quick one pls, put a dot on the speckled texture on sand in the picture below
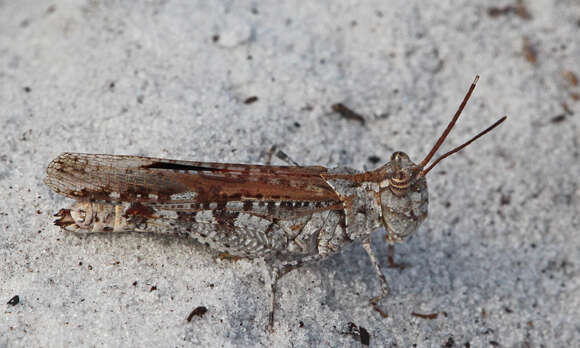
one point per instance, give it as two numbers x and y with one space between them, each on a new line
498 259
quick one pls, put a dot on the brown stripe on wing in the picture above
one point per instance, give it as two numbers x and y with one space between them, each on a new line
258 182
143 179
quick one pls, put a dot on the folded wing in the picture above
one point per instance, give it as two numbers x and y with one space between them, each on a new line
115 178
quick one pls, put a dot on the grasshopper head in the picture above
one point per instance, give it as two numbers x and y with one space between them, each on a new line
404 197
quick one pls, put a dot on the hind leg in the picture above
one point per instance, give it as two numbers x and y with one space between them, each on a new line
277 271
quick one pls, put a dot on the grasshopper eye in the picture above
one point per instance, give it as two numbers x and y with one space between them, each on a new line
399 183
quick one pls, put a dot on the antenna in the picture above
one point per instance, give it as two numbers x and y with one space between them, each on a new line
448 130
450 125
457 149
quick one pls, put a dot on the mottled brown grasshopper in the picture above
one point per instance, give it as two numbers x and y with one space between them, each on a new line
289 215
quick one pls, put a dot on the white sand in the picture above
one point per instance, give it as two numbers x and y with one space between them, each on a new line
498 257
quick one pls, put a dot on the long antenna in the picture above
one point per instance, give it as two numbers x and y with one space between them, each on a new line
457 149
450 125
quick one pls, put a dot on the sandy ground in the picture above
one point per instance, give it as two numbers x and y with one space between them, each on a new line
496 263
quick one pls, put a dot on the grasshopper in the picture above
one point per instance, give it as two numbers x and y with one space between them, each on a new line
288 215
